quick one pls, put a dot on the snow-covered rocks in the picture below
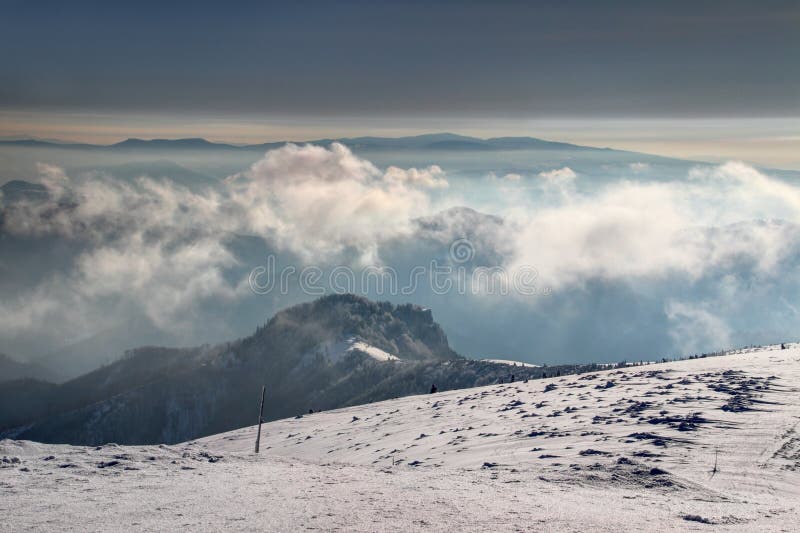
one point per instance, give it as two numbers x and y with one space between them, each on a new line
336 350
510 362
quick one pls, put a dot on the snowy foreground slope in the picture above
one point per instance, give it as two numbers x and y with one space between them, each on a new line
627 449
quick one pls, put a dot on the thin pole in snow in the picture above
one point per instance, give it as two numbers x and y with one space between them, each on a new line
715 470
260 417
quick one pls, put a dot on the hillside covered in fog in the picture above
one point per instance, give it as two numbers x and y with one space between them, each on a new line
336 351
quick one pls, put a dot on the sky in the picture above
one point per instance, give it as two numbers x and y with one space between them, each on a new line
698 79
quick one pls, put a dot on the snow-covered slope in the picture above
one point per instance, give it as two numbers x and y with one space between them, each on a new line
335 350
698 444
372 351
510 362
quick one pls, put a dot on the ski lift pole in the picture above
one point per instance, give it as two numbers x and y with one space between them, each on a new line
260 417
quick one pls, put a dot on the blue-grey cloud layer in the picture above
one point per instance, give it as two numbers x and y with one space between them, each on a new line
359 57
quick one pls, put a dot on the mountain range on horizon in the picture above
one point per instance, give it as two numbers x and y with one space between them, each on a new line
431 141
373 146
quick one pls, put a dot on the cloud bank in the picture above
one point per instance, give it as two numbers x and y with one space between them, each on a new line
173 255
632 229
319 202
163 248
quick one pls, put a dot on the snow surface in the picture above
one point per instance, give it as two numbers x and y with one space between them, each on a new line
624 449
510 362
372 351
334 351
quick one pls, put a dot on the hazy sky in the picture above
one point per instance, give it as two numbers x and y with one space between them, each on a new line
249 71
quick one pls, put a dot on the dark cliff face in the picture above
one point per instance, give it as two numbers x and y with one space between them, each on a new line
170 395
406 330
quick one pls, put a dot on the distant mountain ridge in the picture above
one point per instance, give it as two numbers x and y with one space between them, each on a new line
433 141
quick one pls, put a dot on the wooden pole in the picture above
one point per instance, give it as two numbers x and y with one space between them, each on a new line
260 417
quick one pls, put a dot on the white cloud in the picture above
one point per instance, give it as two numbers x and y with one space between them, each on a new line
695 327
319 202
510 176
559 181
160 248
432 177
634 230
559 175
639 167
746 190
